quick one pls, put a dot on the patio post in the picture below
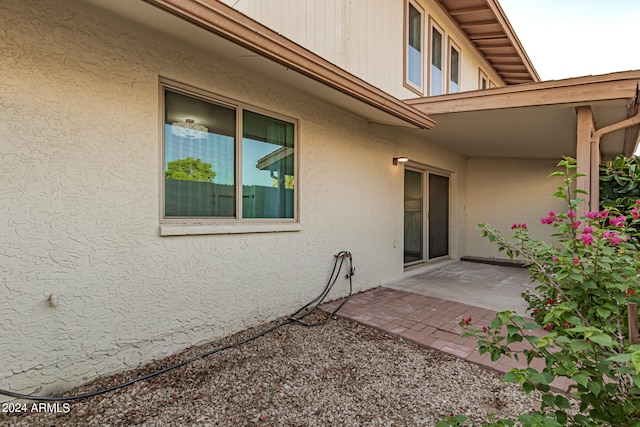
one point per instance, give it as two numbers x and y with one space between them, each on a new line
585 128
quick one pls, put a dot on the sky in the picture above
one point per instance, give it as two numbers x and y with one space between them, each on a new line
573 38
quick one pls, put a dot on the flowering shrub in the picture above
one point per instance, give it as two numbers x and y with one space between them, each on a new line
585 280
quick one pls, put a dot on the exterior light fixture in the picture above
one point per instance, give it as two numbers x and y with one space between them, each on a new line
189 129
397 160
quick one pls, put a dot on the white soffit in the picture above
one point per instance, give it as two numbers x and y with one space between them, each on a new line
535 120
535 132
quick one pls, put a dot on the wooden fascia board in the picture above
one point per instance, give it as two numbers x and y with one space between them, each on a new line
226 22
534 94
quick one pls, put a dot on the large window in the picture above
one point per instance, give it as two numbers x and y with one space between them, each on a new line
454 68
413 64
223 160
437 50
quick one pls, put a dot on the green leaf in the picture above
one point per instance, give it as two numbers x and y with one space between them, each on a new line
495 323
581 379
549 400
603 340
603 312
562 402
594 387
514 338
621 358
510 377
528 387
512 330
635 359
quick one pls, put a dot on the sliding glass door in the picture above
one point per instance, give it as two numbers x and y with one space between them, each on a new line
426 216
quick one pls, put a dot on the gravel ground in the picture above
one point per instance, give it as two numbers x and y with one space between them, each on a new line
339 374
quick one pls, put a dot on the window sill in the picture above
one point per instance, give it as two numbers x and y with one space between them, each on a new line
244 228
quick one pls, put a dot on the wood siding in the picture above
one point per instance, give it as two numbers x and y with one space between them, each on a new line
366 37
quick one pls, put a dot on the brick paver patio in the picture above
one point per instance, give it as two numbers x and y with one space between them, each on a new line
429 321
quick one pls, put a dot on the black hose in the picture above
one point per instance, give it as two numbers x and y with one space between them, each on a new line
296 317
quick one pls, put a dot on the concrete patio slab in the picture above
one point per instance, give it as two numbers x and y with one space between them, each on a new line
492 287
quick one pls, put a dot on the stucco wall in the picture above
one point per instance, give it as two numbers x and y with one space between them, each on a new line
506 191
79 166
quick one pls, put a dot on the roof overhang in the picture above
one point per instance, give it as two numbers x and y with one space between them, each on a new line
535 121
220 33
487 27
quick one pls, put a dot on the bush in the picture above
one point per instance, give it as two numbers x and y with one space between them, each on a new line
620 183
586 278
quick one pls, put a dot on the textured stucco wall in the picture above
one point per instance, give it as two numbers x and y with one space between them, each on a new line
506 191
79 166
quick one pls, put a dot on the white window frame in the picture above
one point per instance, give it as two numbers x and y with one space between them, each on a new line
482 77
172 226
417 89
453 46
433 25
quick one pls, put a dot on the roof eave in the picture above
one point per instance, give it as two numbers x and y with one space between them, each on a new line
226 22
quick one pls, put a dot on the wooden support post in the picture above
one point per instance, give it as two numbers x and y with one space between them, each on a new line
584 131
632 315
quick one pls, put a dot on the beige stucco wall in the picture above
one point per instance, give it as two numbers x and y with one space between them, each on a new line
501 192
79 166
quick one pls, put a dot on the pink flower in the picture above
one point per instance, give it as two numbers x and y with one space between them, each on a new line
604 214
514 225
552 213
546 220
638 202
555 258
614 239
548 327
635 213
576 224
618 221
485 329
606 234
576 260
587 239
592 215
571 214
587 230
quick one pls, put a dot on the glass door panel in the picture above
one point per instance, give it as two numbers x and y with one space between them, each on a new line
413 216
438 216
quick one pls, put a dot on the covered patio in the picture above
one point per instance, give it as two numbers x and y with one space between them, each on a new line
427 308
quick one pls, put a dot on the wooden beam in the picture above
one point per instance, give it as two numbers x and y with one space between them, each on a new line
632 319
474 24
496 35
577 90
585 127
468 10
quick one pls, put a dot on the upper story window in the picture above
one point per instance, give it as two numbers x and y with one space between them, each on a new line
483 81
436 75
225 161
454 68
413 59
